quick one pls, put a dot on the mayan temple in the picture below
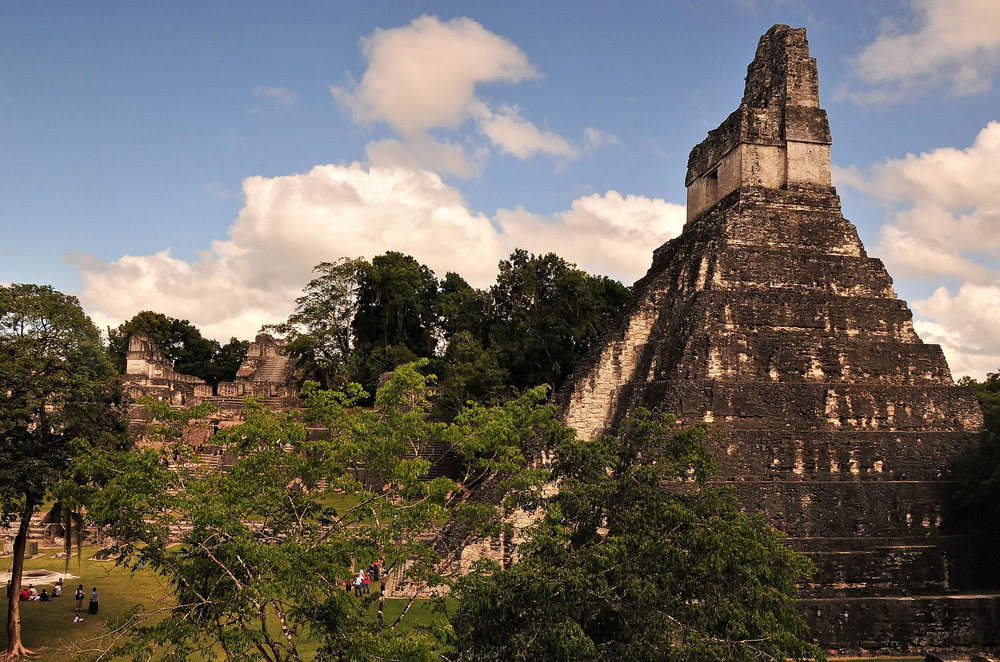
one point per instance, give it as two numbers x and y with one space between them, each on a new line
767 317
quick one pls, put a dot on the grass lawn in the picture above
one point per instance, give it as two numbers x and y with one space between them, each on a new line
48 627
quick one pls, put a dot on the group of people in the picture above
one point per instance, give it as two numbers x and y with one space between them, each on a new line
31 593
361 581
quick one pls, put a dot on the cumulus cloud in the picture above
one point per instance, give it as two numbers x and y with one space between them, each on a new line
943 209
607 234
943 222
424 76
513 134
967 331
289 224
279 96
950 42
422 79
441 156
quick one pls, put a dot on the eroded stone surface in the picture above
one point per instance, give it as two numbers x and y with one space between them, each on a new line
262 375
766 316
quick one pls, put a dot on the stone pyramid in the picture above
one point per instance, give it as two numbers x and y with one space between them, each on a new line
767 317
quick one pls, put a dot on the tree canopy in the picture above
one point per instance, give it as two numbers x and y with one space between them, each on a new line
312 497
637 559
977 470
62 400
359 319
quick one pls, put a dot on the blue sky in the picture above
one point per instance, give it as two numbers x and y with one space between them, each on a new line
198 158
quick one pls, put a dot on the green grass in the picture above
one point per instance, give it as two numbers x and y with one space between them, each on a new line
48 627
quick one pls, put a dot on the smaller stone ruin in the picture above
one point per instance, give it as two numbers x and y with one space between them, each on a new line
264 375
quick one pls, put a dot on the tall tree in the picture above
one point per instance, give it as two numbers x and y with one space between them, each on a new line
397 305
62 400
637 560
396 321
546 314
463 309
977 469
319 330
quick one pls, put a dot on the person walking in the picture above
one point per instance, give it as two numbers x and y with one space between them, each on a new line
94 597
79 597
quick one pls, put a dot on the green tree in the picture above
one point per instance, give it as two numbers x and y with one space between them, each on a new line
397 306
267 547
62 400
547 314
469 374
182 343
319 330
637 559
463 309
977 470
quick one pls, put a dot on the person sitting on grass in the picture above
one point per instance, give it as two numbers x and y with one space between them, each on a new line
44 597
57 589
25 595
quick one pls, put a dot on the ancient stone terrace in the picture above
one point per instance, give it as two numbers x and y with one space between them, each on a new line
767 317
262 375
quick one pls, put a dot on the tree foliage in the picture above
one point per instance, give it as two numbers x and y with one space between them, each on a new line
359 319
182 343
547 314
62 400
266 548
636 559
977 470
318 331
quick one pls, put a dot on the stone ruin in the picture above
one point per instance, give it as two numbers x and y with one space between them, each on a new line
263 375
767 317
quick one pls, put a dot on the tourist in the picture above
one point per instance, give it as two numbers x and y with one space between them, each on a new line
44 597
32 592
25 596
367 581
79 597
359 583
57 590
94 596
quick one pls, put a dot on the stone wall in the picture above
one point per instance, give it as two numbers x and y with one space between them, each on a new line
262 375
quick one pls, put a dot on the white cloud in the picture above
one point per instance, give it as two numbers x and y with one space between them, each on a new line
943 209
422 79
424 152
424 76
607 234
967 327
279 96
943 223
513 134
289 224
952 42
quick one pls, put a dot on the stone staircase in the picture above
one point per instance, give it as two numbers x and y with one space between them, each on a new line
444 464
271 369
